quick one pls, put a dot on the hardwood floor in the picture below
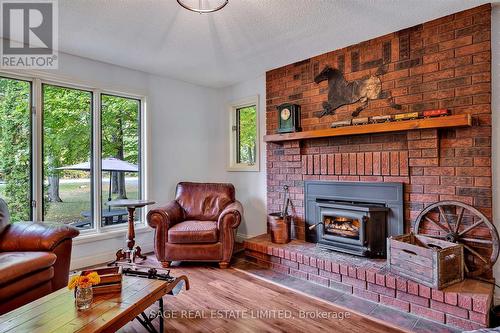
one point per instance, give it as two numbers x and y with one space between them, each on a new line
232 301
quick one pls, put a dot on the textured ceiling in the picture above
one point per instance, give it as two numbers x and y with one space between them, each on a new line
242 41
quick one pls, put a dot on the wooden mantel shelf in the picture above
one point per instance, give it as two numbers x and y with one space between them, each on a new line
461 120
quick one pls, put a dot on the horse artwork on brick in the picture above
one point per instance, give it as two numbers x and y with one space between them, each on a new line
342 92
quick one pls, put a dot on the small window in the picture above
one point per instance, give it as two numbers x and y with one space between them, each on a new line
244 136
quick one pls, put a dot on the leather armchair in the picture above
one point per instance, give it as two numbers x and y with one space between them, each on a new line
34 261
199 225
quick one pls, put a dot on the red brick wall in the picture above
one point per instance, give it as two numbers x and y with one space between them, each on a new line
444 63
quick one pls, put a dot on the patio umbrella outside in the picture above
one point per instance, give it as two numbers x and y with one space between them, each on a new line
110 164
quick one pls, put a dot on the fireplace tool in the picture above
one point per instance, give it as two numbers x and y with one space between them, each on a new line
279 224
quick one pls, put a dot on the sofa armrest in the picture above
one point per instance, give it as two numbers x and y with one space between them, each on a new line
33 236
165 216
230 216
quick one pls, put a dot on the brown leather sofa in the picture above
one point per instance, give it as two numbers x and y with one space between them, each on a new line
34 261
199 225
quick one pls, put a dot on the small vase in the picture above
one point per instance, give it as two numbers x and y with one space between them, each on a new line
83 298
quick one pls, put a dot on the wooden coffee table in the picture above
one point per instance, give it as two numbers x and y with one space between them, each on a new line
57 312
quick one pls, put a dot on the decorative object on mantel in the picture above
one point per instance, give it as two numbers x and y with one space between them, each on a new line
83 289
406 116
436 113
389 118
288 118
461 223
342 92
279 224
341 123
460 120
432 262
203 7
381 119
360 121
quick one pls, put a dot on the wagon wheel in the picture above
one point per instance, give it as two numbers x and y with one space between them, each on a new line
457 222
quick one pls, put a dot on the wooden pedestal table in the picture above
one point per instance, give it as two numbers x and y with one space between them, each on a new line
132 250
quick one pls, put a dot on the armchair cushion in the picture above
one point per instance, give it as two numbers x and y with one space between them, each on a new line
32 236
189 232
17 264
204 201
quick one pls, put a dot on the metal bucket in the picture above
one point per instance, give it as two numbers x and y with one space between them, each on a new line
279 227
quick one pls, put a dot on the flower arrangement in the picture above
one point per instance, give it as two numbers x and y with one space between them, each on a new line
84 281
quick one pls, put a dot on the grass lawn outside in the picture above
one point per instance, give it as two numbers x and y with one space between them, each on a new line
75 195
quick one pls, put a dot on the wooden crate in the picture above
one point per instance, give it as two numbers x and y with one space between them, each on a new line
108 274
111 280
432 262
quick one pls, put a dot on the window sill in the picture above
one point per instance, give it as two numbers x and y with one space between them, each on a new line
244 168
107 234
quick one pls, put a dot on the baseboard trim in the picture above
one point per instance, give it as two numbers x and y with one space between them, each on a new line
242 237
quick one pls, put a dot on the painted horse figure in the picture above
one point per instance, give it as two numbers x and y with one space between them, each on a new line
342 92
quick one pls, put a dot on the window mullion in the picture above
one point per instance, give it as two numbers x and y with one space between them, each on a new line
96 159
37 165
143 155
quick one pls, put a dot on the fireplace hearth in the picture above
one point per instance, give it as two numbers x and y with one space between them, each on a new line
354 217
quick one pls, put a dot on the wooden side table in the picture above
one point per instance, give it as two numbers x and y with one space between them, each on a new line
132 250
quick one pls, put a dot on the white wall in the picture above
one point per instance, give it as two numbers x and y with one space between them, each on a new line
495 108
250 186
186 136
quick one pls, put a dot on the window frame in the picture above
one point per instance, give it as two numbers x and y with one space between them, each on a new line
37 80
233 141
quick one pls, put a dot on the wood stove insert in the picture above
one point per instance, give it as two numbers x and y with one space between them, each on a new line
354 217
355 228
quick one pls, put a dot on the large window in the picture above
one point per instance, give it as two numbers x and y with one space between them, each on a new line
67 150
244 136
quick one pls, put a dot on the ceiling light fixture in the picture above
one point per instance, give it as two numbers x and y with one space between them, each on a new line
203 6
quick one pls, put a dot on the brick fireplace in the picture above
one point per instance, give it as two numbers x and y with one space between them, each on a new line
444 63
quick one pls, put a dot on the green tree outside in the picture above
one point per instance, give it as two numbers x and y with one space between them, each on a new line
15 147
67 130
247 134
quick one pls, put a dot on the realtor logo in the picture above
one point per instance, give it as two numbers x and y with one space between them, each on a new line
29 34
